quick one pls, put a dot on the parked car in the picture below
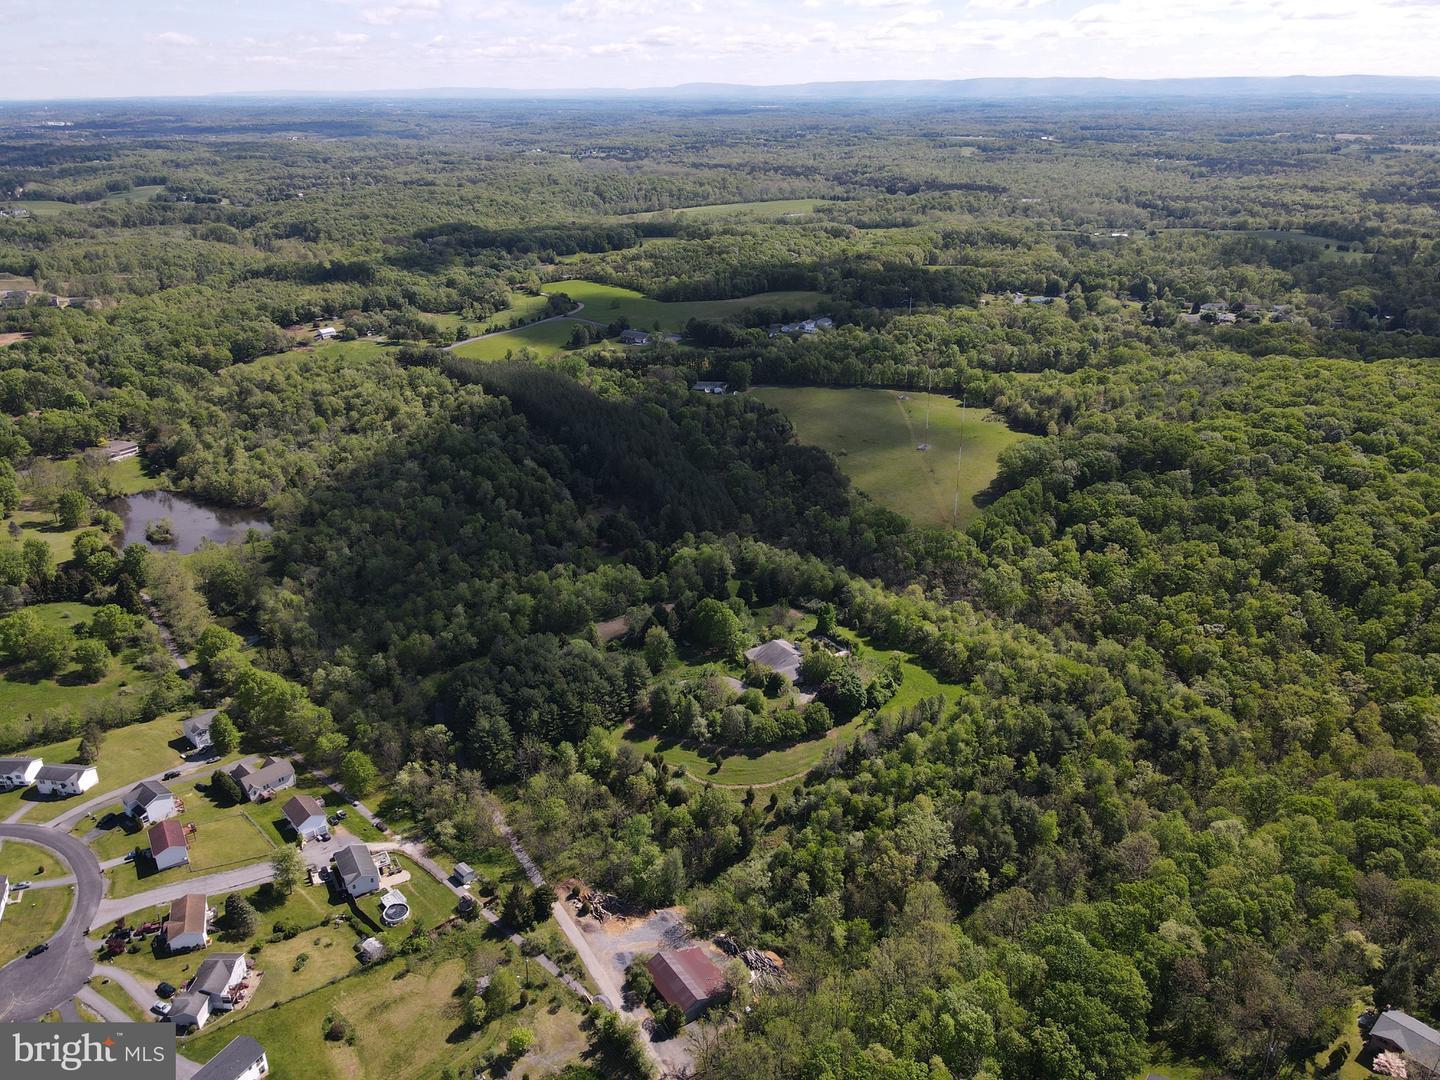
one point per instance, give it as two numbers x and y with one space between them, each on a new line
165 990
161 1008
171 775
130 856
324 837
44 946
333 819
19 885
341 813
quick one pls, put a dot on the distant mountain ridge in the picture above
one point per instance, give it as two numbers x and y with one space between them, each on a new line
975 89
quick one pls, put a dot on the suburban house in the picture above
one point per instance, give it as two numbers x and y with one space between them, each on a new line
189 1010
242 1059
66 779
4 894
1418 1043
167 844
262 781
356 870
463 875
19 771
634 337
325 333
196 729
710 387
120 450
218 977
148 802
188 926
778 655
687 979
306 816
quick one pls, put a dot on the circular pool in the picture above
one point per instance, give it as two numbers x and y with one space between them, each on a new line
394 908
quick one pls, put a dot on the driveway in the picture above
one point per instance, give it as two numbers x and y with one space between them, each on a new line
579 307
31 987
221 882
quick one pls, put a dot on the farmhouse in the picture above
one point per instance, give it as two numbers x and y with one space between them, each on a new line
19 771
260 783
189 1010
325 333
218 978
148 802
305 815
711 387
242 1059
196 729
167 844
778 655
1399 1032
356 870
66 779
120 450
188 925
634 337
687 979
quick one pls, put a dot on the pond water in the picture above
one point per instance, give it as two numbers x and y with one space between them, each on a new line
191 521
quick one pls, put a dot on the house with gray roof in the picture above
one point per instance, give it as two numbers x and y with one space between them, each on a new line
19 771
260 782
189 1010
242 1059
196 729
218 977
1419 1043
356 870
778 655
66 779
150 801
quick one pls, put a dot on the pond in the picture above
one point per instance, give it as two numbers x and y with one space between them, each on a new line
191 522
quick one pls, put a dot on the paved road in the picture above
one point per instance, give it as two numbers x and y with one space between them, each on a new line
222 881
29 988
101 1007
579 307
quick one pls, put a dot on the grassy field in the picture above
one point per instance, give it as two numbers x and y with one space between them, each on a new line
24 694
41 524
114 993
543 339
405 1025
42 207
31 917
129 477
143 193
874 433
126 755
232 840
20 861
605 303
763 209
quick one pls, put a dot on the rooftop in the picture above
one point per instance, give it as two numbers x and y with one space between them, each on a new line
239 1054
146 792
686 978
62 772
187 915
779 655
301 809
165 835
213 977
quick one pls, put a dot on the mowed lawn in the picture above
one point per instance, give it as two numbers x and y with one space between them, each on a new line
874 434
20 861
606 303
127 755
32 916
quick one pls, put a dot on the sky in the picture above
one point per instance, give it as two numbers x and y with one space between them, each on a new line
115 48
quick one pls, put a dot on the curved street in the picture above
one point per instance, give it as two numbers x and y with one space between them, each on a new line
31 986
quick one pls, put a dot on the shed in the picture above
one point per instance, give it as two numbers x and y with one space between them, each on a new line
687 979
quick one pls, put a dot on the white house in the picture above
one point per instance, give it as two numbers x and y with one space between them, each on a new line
167 844
325 333
4 894
242 1059
196 729
356 870
188 926
66 779
189 1010
148 802
19 771
264 780
218 977
306 816
120 450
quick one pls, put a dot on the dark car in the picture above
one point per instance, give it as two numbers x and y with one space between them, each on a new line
165 990
44 946
171 775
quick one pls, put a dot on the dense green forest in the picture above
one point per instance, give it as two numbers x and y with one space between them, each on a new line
1169 792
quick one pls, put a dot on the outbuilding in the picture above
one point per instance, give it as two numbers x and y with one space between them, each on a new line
687 979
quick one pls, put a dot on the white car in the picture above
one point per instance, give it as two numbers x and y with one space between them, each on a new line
19 885
161 1008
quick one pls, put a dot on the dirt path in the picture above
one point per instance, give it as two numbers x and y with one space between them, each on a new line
925 467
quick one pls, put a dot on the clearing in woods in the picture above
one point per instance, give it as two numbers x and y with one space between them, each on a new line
874 433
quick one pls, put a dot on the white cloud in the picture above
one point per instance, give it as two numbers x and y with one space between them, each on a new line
351 39
401 11
174 39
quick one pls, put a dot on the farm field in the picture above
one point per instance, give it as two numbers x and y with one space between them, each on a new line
24 694
32 917
544 339
605 303
874 433
126 755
